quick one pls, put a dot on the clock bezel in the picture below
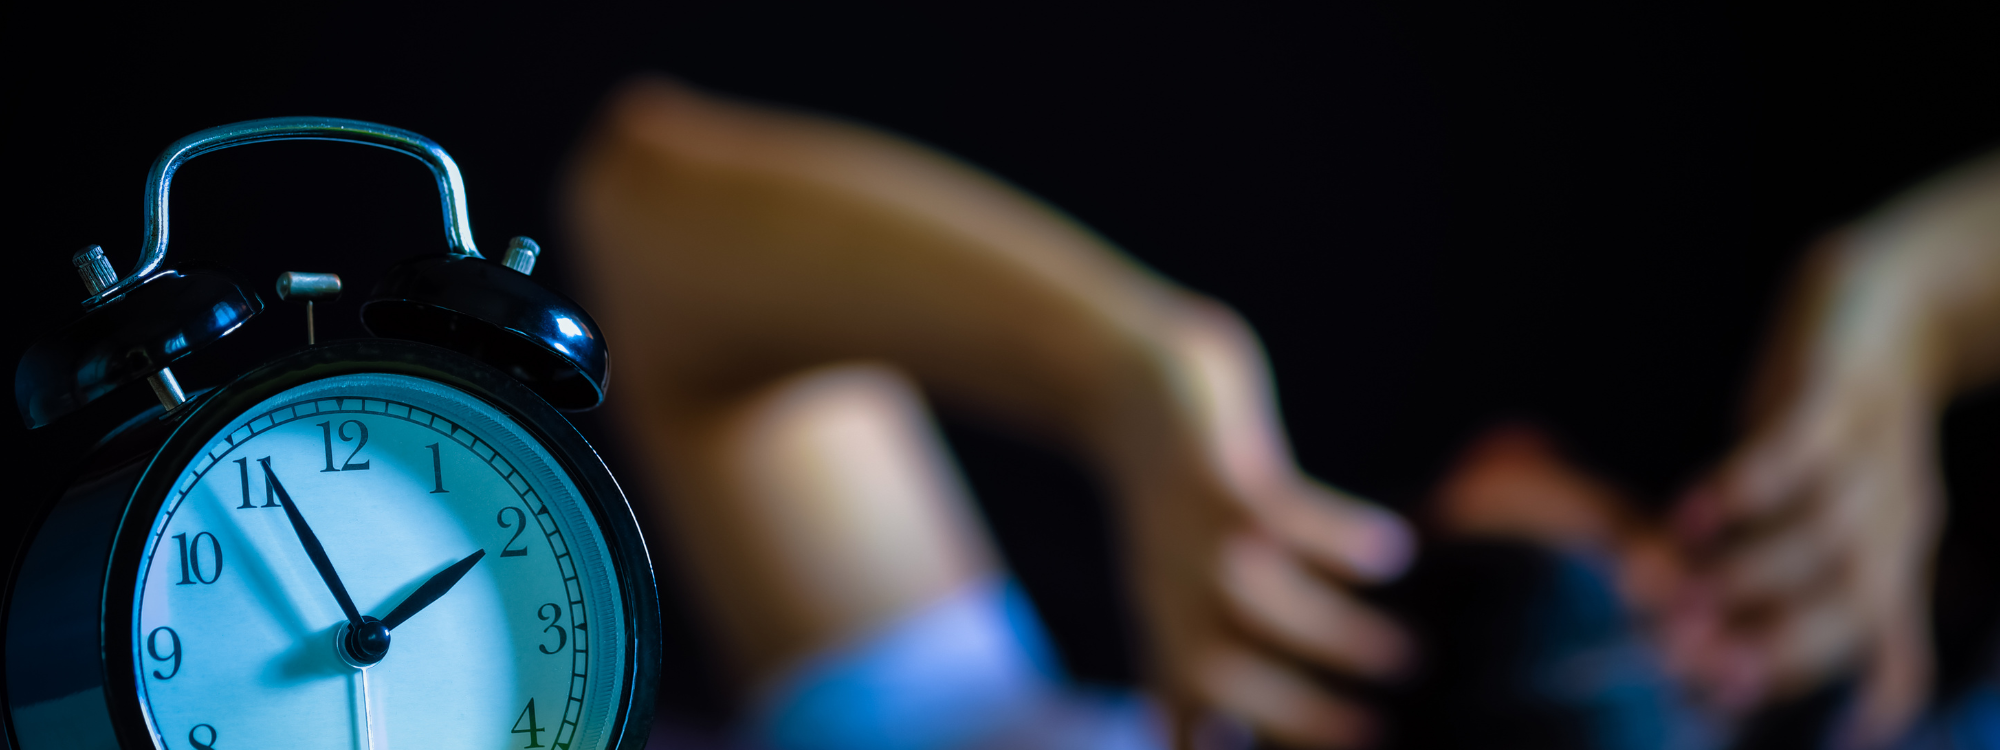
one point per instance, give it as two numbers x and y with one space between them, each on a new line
219 408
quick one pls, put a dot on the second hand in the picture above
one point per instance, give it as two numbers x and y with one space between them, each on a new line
367 710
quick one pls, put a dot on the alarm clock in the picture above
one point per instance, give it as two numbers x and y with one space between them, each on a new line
374 543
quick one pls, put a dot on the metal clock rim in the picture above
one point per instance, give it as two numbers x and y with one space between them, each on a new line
217 408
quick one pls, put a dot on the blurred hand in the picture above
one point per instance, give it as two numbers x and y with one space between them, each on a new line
1814 541
1817 541
1242 564
1817 535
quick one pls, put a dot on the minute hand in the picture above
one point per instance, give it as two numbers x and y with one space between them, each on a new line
313 549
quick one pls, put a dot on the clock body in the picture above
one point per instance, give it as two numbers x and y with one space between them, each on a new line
168 601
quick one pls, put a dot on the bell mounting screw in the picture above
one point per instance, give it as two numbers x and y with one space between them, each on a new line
521 253
294 286
97 276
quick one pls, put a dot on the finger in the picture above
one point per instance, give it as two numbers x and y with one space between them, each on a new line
1688 628
1276 598
1180 716
1760 480
1354 539
1802 561
1801 647
1742 660
1279 702
1699 650
1720 524
1893 691
1192 728
1699 514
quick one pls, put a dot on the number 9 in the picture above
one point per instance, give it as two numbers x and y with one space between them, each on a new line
153 650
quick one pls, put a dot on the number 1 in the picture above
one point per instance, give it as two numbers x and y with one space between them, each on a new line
437 469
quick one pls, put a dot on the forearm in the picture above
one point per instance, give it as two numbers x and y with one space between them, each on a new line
727 246
1935 254
1906 298
740 244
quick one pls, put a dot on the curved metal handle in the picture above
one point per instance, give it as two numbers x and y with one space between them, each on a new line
451 188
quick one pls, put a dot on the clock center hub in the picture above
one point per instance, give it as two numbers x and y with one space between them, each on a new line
364 646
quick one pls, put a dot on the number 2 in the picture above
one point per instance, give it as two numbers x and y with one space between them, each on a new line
520 520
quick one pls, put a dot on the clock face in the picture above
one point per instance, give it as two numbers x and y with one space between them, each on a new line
401 481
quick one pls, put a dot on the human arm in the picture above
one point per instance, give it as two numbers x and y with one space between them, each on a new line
1815 539
727 246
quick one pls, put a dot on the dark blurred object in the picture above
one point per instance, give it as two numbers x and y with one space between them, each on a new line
1967 600
1531 648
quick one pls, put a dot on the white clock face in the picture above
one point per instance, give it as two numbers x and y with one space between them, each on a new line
398 478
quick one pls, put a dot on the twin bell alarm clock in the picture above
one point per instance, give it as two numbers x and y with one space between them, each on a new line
387 542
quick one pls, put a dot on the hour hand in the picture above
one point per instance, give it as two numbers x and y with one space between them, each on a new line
431 590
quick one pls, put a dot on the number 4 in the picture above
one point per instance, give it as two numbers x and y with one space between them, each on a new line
534 731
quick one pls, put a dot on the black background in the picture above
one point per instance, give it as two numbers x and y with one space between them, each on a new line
1437 215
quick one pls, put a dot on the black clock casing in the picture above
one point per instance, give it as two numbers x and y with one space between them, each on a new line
456 319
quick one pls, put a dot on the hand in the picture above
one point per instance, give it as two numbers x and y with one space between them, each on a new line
1239 559
314 550
1814 541
1819 538
431 590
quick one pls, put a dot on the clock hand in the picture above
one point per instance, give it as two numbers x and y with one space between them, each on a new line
368 641
367 710
431 590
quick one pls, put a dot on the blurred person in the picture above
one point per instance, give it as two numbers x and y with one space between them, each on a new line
787 289
1540 598
1792 590
1813 545
790 288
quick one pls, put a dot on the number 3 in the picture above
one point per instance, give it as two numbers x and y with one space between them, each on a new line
562 634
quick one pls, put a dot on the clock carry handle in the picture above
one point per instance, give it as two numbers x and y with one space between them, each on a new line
451 187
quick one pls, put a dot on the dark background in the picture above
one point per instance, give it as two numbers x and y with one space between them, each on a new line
1437 215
